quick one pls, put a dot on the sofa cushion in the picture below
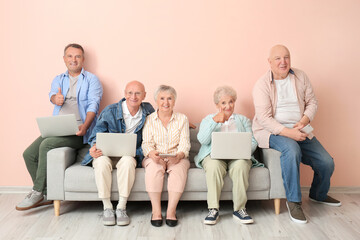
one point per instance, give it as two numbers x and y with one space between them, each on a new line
82 179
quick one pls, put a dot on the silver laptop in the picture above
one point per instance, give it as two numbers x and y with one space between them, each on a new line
116 144
231 145
57 126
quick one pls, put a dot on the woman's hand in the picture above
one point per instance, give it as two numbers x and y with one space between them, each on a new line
154 155
220 117
176 159
94 152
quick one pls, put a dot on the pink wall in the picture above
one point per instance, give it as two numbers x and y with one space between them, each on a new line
194 46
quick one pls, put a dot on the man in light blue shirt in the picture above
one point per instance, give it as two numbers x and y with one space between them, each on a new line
74 92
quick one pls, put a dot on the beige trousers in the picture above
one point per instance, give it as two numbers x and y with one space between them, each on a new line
215 172
125 172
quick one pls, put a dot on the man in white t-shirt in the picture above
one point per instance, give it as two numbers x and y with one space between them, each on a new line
126 116
284 105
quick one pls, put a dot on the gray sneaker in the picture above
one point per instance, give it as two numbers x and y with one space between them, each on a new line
122 219
45 201
31 200
109 217
295 211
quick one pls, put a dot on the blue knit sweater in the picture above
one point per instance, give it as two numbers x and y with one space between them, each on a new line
208 125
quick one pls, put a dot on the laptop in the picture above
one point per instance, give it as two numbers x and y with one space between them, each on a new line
57 126
231 145
116 144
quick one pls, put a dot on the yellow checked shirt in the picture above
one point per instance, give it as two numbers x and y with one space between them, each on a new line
172 139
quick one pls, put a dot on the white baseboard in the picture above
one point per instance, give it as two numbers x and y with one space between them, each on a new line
15 189
26 189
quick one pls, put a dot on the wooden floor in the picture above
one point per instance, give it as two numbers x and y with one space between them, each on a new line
82 220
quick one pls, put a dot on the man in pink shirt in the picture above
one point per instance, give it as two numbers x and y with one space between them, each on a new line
284 106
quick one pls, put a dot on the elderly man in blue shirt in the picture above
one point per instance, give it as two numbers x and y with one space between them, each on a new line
74 92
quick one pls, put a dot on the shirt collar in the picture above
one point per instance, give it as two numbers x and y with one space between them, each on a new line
231 118
126 111
272 75
82 72
156 116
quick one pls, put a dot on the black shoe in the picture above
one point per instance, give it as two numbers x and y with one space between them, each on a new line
171 222
156 223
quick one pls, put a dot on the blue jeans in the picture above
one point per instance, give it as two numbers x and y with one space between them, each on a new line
309 152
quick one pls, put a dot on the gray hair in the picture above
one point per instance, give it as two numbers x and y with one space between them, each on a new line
74 45
165 88
224 91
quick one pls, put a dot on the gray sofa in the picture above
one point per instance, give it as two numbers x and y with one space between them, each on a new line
68 180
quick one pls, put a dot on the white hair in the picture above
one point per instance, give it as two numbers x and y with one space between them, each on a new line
165 88
224 91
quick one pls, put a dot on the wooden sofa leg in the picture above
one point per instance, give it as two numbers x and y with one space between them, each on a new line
57 207
277 206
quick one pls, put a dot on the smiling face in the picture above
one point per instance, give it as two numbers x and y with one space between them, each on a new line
134 94
74 60
226 105
165 102
279 60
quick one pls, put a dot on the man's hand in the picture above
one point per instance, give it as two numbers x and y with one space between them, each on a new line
94 152
294 133
82 130
58 98
299 125
220 117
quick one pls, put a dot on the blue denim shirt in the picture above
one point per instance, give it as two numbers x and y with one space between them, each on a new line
111 120
88 92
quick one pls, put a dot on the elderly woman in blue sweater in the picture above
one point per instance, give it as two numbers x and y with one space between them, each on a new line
225 120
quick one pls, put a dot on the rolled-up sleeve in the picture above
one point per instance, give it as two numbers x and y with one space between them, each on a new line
94 95
55 85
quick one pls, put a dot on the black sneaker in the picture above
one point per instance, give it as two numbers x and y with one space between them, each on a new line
328 201
212 216
242 216
295 211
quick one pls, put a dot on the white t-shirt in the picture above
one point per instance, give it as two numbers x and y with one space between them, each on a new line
131 122
287 108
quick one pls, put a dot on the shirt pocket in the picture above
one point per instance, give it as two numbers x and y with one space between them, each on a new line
84 90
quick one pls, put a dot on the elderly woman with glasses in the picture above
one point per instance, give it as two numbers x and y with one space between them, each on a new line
166 145
225 120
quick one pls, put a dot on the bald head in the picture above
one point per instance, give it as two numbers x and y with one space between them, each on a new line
135 83
275 50
279 60
134 95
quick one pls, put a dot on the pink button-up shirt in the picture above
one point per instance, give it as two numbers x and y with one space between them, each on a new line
172 139
265 100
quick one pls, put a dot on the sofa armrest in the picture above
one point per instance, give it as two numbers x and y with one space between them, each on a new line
58 160
271 159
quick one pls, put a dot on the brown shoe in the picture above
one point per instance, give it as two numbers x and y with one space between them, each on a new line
328 201
296 212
